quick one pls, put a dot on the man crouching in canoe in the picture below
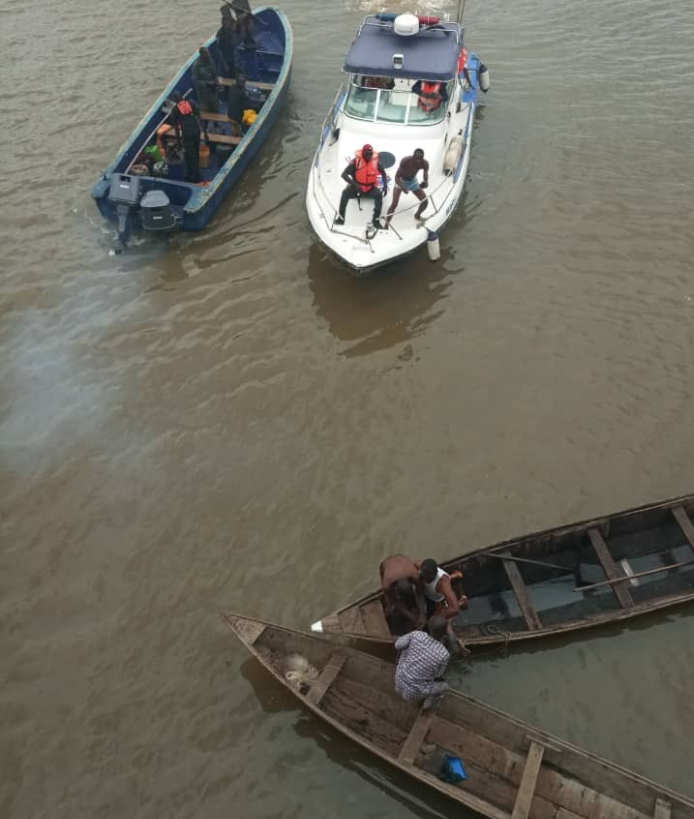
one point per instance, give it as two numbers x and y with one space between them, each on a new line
422 662
441 599
405 604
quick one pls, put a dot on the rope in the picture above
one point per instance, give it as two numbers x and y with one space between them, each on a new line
494 630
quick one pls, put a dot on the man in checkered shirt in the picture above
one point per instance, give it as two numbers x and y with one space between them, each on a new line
422 663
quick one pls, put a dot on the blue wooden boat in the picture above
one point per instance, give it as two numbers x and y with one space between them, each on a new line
179 205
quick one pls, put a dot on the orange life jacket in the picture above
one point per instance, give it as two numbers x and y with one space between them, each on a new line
429 96
184 107
462 60
367 172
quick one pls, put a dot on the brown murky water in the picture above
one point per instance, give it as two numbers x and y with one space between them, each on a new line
235 422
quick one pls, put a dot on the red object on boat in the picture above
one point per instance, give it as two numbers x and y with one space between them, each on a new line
462 60
428 21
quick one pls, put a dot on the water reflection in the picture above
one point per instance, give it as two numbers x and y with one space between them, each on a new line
390 307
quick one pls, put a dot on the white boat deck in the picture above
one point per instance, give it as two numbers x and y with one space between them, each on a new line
394 125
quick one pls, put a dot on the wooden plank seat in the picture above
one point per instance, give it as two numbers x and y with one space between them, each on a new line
522 596
685 524
264 86
526 791
610 568
415 738
223 139
663 809
326 678
210 116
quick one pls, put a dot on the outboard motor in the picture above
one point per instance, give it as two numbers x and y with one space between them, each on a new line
484 78
156 212
124 193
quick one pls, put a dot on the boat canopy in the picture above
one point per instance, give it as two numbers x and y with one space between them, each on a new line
430 55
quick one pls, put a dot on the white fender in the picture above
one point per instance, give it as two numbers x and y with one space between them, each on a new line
433 247
452 156
484 78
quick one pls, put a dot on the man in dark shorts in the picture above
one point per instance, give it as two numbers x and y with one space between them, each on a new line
406 180
361 176
405 604
185 117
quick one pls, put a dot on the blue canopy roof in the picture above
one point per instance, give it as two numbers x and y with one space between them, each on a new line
432 54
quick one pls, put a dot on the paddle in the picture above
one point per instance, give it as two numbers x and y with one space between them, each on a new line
633 576
528 560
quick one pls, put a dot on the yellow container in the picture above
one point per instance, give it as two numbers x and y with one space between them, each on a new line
204 156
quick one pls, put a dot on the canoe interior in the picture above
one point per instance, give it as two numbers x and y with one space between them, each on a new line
356 692
263 64
645 541
514 600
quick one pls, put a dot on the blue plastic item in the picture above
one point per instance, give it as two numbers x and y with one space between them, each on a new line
452 770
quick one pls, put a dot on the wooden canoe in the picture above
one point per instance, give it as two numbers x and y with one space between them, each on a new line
514 771
624 559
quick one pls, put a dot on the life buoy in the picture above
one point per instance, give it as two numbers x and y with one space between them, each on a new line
367 171
462 60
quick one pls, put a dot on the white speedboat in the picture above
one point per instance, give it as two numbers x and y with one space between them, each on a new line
395 62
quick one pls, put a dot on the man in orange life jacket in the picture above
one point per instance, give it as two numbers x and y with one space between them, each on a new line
185 117
431 95
361 176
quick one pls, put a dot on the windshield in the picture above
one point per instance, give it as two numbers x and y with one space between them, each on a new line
383 99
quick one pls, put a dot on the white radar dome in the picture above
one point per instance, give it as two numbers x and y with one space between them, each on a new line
406 25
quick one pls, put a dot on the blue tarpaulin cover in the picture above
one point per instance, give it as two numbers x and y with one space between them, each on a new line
432 54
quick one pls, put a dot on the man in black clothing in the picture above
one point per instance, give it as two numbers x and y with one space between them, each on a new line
238 100
185 117
204 74
227 40
361 176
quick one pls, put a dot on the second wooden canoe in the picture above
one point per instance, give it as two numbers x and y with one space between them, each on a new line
514 771
603 570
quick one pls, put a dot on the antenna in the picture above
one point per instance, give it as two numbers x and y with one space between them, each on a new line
461 10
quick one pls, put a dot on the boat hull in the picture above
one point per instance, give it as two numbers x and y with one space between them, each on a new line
515 770
530 601
196 205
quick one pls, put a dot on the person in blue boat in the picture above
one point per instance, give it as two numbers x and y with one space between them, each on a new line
239 100
185 117
243 22
361 176
406 181
227 40
205 81
422 662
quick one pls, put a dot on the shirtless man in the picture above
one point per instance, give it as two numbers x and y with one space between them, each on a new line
403 593
406 180
441 599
